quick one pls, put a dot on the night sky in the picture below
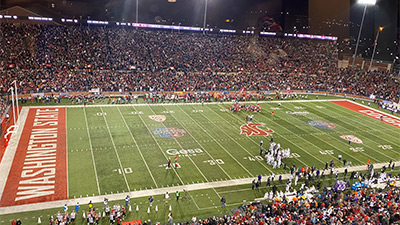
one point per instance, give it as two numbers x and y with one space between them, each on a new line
241 13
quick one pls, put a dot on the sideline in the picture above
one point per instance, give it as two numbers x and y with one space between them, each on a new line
158 191
182 103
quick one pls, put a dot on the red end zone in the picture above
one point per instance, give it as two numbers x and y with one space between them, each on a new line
39 169
391 120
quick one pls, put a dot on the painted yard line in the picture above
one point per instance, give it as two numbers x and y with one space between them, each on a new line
217 143
153 192
186 122
230 137
296 144
338 138
362 115
166 158
197 206
115 149
239 119
66 143
197 103
219 206
341 141
287 141
243 138
370 122
134 140
9 154
247 137
321 139
91 151
190 158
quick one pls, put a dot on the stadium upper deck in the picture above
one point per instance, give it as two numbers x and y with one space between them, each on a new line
47 58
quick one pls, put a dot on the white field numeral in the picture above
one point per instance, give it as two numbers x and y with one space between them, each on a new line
294 155
326 152
357 149
137 113
385 146
126 170
254 158
214 162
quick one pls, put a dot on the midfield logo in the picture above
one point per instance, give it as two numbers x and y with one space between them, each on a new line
352 138
158 118
251 129
321 124
169 132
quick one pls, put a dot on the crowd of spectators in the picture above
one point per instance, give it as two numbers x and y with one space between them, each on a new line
3 107
366 206
47 58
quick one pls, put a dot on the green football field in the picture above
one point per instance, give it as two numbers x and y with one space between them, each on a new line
115 149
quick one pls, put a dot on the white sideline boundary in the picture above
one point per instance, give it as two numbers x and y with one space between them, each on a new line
182 103
158 191
9 154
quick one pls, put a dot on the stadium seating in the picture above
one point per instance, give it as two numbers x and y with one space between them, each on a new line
48 58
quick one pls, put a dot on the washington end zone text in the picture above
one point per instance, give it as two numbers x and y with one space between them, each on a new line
39 166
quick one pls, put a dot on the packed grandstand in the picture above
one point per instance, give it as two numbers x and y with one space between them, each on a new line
62 59
46 58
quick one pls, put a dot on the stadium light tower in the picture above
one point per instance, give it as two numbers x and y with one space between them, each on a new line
205 17
366 3
137 11
375 44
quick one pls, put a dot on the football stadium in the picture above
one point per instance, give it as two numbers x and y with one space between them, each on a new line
199 112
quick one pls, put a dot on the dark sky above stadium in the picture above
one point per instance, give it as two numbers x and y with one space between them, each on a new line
188 12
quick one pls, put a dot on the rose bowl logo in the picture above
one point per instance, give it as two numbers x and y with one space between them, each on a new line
352 138
321 124
169 132
158 118
251 129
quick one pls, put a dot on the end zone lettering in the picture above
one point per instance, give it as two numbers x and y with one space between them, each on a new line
38 172
388 119
378 115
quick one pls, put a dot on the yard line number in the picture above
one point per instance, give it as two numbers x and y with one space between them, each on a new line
214 162
385 146
126 170
326 152
137 113
357 149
